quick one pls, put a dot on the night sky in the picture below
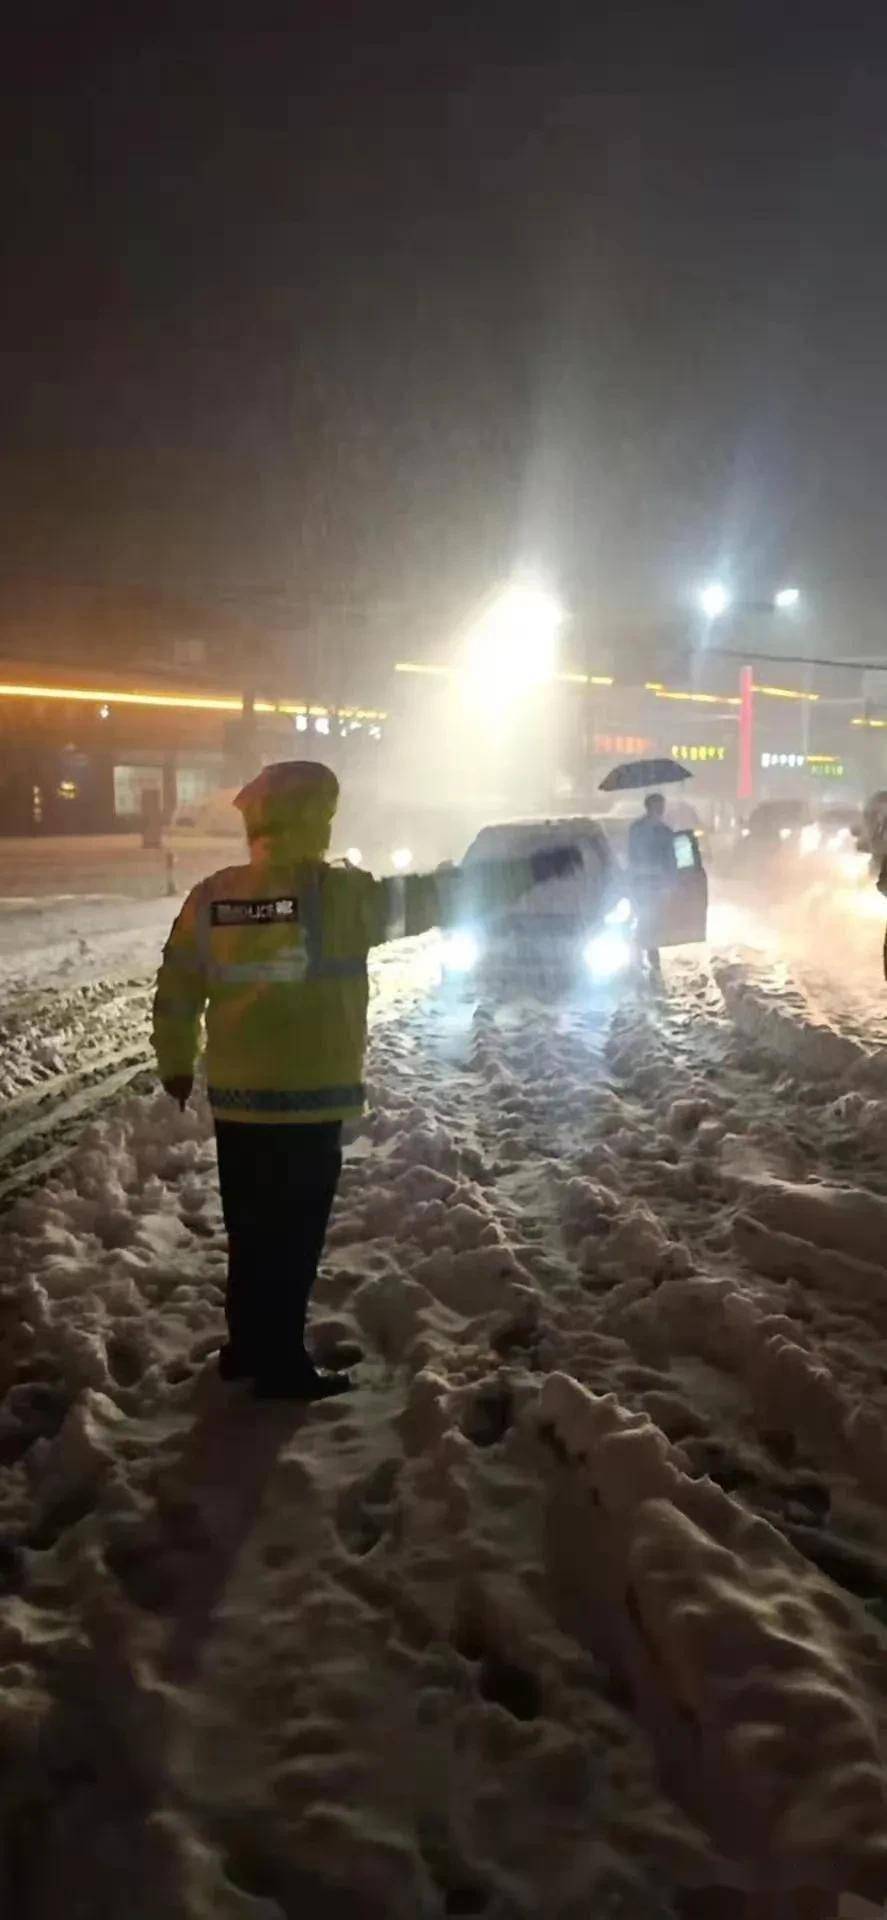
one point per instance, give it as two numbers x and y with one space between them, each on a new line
360 313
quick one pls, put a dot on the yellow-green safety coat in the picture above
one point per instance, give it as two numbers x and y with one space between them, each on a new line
276 956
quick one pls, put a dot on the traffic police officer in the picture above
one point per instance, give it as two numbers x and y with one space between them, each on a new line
275 952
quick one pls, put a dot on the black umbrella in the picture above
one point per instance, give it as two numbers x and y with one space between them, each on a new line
643 773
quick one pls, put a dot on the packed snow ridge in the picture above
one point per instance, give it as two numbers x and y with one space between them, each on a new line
578 1604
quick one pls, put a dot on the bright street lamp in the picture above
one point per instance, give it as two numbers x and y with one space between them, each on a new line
512 645
714 599
786 597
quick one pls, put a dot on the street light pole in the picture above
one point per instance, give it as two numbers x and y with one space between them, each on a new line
716 601
745 785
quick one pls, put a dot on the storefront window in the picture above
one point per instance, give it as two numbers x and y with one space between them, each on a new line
130 786
193 784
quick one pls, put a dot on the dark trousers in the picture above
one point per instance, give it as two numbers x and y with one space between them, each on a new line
278 1184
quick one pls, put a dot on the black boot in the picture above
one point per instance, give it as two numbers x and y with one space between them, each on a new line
233 1365
306 1384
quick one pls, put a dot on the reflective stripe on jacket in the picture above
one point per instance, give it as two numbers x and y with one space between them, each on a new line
277 959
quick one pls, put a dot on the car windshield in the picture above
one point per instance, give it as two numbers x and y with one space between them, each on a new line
520 839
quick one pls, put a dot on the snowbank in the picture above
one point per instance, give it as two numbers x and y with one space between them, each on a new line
753 1673
483 1638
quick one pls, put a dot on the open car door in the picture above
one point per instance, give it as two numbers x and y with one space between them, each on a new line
682 908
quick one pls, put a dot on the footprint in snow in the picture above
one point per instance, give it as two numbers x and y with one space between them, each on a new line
487 1416
363 1510
506 1685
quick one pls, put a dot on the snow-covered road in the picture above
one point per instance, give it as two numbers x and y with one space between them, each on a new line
577 1606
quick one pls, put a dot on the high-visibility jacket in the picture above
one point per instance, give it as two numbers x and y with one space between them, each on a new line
277 958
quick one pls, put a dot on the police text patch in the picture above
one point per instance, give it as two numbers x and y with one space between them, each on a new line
250 913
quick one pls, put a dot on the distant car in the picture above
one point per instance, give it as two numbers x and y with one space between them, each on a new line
792 843
831 843
407 838
841 826
775 822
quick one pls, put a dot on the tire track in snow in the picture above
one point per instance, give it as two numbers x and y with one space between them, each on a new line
786 1396
28 1153
378 1590
103 1032
780 1325
44 1030
64 1057
405 1726
655 1095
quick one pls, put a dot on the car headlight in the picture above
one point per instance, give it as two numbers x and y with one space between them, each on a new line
401 859
460 952
607 955
619 915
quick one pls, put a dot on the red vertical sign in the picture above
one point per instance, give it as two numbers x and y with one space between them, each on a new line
746 782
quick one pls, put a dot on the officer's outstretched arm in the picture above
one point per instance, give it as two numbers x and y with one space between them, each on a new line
418 901
180 996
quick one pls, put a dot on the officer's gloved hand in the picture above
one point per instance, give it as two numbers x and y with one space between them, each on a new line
555 863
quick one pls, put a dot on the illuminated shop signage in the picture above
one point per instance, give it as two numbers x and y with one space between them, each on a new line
621 743
824 766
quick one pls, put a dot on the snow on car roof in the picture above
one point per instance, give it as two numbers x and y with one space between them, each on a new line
523 836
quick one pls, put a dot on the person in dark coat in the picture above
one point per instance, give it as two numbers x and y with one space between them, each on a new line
652 866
